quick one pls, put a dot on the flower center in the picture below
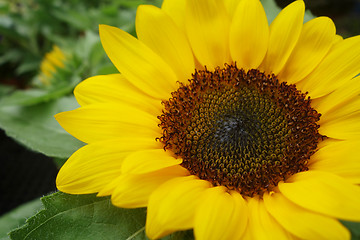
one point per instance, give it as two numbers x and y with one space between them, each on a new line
242 130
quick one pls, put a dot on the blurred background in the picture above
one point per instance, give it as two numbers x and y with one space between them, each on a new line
46 48
345 13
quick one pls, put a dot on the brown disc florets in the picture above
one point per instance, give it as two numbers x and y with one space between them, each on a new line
242 130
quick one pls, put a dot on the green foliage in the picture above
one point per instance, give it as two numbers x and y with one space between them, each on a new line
35 96
30 28
17 217
272 10
5 90
85 217
354 228
86 59
35 127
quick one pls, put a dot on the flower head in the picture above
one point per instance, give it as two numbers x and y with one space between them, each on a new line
52 61
222 123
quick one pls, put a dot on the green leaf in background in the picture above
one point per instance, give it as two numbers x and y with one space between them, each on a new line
354 228
34 96
17 217
35 127
29 29
272 10
308 16
86 217
4 90
59 162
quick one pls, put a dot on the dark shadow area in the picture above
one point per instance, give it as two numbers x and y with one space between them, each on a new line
25 175
345 13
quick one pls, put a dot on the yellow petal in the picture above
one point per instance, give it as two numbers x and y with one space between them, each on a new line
316 39
338 97
47 69
303 223
347 127
324 193
220 215
114 88
249 34
338 39
134 190
207 26
326 142
262 225
284 34
158 31
340 103
176 10
102 121
97 164
340 158
148 161
231 6
339 66
172 206
139 64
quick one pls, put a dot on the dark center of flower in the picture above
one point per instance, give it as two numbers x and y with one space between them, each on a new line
242 130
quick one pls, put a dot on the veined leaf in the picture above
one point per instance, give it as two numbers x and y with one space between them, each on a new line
17 217
86 217
35 127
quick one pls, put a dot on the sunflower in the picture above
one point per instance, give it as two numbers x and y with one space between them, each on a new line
223 124
52 61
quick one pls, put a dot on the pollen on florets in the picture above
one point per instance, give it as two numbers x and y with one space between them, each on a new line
243 130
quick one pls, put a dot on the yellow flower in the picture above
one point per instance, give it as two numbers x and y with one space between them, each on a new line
223 124
51 62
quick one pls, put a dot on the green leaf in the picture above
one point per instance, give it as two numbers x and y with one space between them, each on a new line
24 97
183 235
308 16
35 127
11 56
82 217
86 217
34 96
59 162
354 228
17 217
6 31
272 10
4 238
73 18
5 89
